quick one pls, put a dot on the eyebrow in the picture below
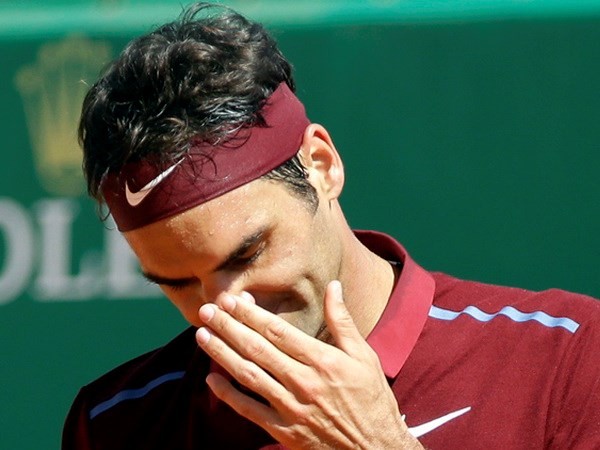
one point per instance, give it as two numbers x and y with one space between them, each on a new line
241 249
229 261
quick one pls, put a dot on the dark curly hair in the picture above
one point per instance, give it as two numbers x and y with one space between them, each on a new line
201 77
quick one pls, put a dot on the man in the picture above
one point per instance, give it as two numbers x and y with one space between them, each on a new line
304 333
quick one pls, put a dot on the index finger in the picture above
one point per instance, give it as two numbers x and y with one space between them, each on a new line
283 335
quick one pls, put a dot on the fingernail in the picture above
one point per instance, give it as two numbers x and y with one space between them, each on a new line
228 303
202 336
337 287
247 296
206 312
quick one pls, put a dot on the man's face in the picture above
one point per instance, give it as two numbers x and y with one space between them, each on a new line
259 238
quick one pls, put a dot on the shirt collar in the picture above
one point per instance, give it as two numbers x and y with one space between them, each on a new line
402 321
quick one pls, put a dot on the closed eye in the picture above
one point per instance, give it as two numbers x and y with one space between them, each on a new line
178 286
175 284
245 259
246 253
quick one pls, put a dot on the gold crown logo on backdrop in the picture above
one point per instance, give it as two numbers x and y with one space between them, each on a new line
52 90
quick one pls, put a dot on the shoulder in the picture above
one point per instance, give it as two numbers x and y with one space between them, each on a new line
163 364
512 352
145 378
129 396
507 325
117 410
553 308
522 362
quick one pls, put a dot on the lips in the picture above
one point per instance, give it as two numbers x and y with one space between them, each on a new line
275 306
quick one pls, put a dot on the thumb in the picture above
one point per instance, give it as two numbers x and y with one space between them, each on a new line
339 321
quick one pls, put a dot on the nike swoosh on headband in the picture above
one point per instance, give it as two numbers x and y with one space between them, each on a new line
135 198
426 427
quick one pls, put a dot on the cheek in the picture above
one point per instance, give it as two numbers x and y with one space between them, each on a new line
192 317
292 256
186 306
284 270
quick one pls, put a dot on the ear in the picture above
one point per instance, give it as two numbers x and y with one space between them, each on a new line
322 161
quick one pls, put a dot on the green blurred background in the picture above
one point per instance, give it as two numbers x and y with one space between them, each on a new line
469 129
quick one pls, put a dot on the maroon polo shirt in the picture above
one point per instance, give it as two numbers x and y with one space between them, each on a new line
472 366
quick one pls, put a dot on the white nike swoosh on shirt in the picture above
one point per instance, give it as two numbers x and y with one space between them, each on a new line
135 198
425 428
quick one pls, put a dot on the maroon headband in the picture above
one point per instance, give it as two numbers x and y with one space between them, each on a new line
143 192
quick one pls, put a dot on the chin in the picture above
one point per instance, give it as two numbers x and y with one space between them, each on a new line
312 326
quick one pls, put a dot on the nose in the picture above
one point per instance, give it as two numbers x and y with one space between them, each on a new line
219 283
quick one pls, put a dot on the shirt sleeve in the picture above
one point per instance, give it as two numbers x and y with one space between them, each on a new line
576 406
76 430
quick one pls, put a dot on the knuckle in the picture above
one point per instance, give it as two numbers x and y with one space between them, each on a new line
242 314
245 410
254 349
311 392
276 331
302 417
371 356
214 349
225 394
249 375
219 322
328 363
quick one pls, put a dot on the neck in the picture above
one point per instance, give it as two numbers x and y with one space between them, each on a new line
368 281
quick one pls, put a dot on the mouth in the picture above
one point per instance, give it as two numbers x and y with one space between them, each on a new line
297 311
323 334
280 306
